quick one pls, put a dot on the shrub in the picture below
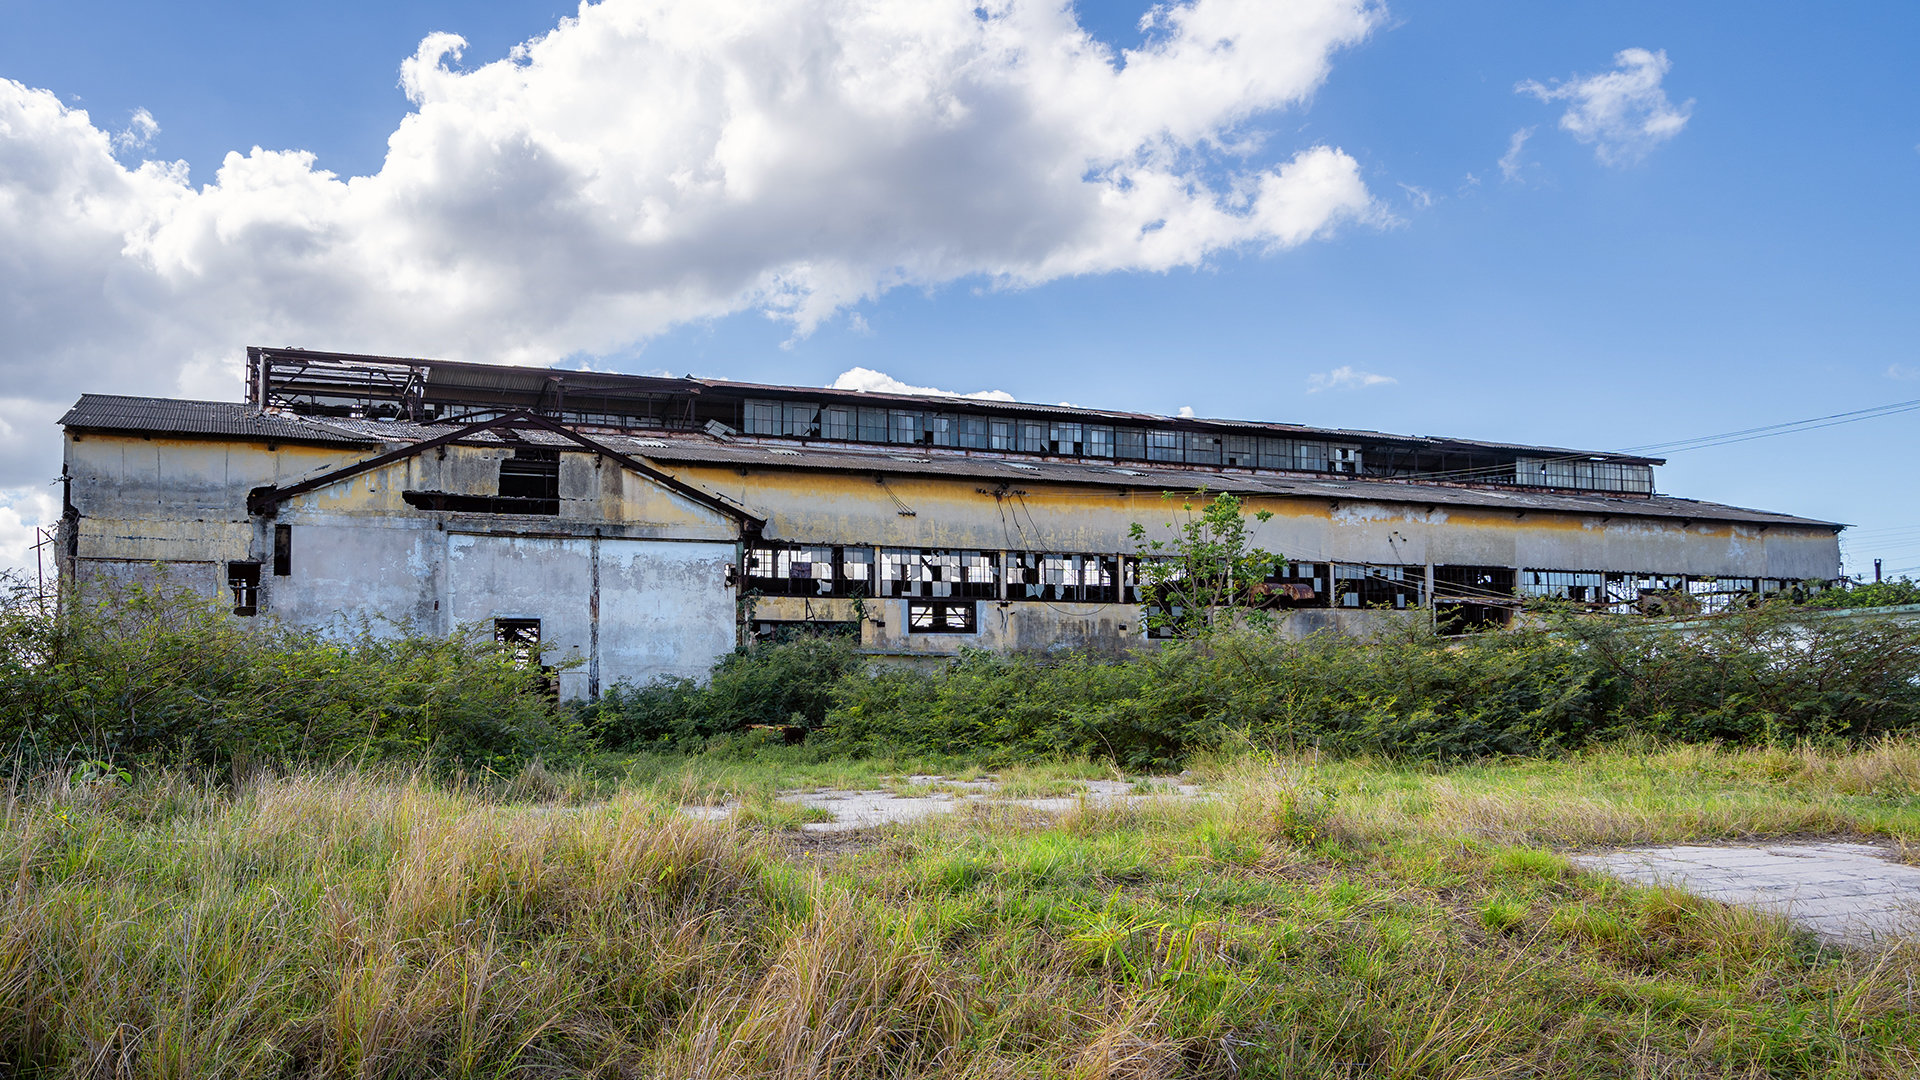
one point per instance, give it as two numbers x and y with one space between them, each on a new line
787 685
1747 677
163 675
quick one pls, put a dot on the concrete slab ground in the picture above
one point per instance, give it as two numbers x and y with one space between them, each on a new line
867 809
1852 894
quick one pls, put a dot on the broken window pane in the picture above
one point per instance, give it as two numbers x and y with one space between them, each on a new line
1203 448
1002 434
1241 451
940 617
808 570
939 573
1361 586
1074 578
1064 438
1033 436
1344 459
282 550
800 418
942 430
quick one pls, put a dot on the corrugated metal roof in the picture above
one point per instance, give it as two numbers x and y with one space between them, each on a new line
172 416
111 412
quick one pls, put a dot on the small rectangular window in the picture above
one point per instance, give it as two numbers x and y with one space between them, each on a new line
1063 438
1033 437
1203 448
244 579
906 427
941 617
800 418
1241 451
942 430
762 418
1310 456
1002 434
1164 446
1100 442
282 550
973 432
836 423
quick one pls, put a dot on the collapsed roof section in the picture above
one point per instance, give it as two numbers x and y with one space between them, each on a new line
347 386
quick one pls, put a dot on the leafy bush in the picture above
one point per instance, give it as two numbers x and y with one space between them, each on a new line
1895 593
786 685
1754 676
163 675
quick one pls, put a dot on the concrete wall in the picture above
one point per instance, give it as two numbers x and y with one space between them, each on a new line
821 508
629 579
631 576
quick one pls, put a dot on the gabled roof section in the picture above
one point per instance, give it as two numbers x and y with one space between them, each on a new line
266 500
170 416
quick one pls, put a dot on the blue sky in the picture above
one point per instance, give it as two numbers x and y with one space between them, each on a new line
1758 265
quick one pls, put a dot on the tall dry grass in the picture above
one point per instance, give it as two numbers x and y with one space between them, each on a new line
1316 918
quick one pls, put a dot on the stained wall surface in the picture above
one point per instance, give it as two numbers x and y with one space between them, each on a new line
631 579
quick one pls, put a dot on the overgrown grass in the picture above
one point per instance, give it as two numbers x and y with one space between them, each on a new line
1318 918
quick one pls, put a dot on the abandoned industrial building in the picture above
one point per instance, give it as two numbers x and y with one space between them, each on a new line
644 526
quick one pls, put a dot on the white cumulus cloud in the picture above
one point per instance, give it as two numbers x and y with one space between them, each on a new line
643 165
1624 113
879 382
1346 377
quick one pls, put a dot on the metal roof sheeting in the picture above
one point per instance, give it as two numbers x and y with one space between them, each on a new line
229 419
172 416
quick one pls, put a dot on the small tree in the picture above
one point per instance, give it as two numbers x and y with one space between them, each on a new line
1208 567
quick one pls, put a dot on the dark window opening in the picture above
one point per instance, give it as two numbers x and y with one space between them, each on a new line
1162 622
775 631
1296 585
244 579
282 550
521 637
529 484
531 473
941 617
1397 587
1469 598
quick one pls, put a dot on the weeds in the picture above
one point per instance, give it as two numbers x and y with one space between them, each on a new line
1316 918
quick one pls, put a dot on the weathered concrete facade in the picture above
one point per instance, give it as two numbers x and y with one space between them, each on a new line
646 535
